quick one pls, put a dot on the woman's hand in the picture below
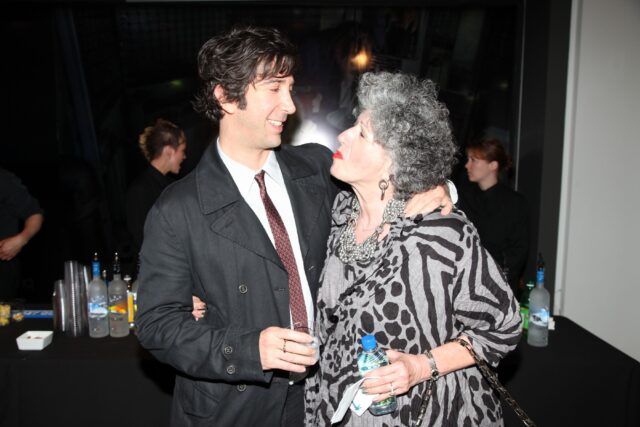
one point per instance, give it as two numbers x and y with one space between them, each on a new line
405 371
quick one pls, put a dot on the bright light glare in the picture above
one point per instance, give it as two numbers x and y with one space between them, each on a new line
309 131
361 60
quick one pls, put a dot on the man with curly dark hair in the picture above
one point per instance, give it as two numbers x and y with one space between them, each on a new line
246 233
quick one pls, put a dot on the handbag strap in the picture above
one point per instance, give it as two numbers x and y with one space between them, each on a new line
492 378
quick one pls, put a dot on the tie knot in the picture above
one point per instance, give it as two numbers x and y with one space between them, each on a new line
260 180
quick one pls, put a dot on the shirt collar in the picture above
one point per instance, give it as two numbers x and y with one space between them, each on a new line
244 177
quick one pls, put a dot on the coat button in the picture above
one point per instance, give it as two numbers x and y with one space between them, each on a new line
241 387
228 349
243 289
231 369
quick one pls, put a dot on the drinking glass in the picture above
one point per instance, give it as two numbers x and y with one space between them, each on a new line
294 377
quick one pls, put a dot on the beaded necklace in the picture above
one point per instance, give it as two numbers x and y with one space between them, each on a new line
349 249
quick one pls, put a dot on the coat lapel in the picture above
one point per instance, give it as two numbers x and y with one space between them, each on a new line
305 188
228 214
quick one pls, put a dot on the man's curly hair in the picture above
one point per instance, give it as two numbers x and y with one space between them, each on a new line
238 58
410 123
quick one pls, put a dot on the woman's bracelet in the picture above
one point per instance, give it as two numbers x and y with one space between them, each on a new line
435 373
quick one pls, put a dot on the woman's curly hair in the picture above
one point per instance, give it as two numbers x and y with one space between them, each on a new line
233 61
410 123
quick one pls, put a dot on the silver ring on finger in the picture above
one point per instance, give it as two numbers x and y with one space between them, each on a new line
393 389
284 346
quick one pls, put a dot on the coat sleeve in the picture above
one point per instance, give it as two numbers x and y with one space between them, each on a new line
484 303
165 324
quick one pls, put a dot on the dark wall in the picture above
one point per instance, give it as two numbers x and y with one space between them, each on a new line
546 40
82 80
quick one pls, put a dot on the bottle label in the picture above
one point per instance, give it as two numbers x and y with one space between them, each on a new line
117 305
540 317
98 309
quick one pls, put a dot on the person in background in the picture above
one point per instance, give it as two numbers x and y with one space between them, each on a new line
245 232
415 283
20 219
164 146
499 213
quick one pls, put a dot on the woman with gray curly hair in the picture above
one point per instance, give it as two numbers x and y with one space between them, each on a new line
416 284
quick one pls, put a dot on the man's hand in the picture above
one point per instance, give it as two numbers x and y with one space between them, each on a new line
11 246
285 349
199 308
428 201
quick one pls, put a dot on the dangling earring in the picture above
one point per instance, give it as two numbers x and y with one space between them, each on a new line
383 184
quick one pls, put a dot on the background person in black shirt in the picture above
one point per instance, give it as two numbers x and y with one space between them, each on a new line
20 220
499 213
163 145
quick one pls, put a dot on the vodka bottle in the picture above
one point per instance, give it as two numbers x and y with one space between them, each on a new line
372 357
118 324
539 303
97 303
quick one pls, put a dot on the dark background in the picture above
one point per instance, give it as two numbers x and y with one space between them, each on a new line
82 79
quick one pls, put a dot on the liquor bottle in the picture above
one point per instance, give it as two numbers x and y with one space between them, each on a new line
118 325
540 269
104 277
524 305
372 357
539 302
132 299
97 303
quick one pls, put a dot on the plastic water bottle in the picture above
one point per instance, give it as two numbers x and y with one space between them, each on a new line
372 357
97 303
539 302
118 321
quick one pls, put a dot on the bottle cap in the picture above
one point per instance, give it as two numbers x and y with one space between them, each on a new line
369 342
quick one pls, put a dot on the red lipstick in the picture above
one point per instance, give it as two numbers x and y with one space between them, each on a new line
337 154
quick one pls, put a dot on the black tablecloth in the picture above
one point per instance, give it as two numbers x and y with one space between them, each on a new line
81 382
577 380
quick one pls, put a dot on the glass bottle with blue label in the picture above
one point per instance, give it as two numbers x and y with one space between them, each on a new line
539 302
372 357
97 303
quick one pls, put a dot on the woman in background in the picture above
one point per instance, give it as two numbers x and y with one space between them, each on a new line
499 213
163 145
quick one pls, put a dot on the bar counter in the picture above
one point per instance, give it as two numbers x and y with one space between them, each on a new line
578 380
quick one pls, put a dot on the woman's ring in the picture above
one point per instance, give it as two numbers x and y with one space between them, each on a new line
393 390
284 346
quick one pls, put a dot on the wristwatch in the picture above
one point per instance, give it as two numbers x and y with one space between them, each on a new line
435 373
